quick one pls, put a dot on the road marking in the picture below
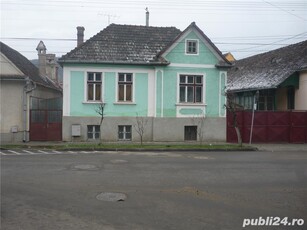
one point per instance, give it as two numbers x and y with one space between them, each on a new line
54 151
3 153
11 151
41 151
28 152
85 152
71 152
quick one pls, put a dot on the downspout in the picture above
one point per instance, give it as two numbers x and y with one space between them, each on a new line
29 87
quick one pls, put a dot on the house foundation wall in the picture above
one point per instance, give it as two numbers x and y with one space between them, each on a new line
156 129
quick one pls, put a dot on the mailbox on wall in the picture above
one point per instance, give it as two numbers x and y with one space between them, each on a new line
76 130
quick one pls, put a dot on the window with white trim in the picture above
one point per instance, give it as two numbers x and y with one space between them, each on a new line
124 132
93 132
190 88
125 87
94 85
192 46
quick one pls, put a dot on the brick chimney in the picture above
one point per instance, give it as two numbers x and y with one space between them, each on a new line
41 52
80 35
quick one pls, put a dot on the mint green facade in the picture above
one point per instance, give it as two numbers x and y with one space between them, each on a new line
79 106
155 94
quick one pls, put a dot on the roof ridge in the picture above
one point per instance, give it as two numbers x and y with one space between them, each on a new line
272 51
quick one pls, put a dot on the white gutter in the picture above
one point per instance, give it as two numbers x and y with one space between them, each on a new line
29 87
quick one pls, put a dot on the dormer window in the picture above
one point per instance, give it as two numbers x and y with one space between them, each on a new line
191 46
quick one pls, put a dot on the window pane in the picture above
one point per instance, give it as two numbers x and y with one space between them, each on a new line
128 136
98 76
129 77
198 94
120 128
128 92
182 79
96 135
198 79
128 128
182 94
121 92
121 77
191 46
190 79
194 47
120 136
98 92
90 128
90 91
97 128
190 94
90 76
90 135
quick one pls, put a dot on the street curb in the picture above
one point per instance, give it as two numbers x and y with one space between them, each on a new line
159 150
48 147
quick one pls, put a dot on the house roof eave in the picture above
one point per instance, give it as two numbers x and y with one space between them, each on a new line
150 63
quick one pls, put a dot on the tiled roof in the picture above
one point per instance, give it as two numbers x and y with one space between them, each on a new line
267 70
124 44
25 66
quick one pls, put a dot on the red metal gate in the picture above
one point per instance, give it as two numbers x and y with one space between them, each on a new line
269 126
46 125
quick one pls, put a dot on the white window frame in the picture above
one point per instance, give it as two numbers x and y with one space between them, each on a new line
187 46
132 87
93 132
194 86
124 132
94 87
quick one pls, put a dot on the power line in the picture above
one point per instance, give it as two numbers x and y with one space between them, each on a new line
289 12
208 5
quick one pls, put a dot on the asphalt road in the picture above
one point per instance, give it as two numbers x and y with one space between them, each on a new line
208 190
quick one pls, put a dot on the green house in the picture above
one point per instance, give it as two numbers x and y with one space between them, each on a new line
166 82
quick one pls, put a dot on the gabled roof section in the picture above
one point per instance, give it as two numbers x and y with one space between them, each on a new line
25 66
124 44
267 70
223 62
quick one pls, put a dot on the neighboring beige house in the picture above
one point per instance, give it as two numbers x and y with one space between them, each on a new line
277 78
20 82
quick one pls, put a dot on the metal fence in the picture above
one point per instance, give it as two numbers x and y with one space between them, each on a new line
269 126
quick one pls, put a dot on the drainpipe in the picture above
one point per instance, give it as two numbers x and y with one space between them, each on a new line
256 95
29 86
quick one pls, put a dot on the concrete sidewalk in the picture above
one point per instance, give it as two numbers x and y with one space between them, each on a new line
286 147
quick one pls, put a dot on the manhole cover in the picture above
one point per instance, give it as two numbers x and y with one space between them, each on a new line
85 167
111 196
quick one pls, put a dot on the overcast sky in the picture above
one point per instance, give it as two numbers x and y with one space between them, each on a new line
242 27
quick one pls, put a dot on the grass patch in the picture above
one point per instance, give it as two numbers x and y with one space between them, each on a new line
123 146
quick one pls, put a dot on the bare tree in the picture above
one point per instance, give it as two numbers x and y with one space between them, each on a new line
140 126
100 111
199 121
232 107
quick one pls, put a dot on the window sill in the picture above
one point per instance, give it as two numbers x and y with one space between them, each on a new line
191 104
192 54
92 102
124 103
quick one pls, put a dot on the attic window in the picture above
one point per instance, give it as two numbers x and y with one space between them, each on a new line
191 46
